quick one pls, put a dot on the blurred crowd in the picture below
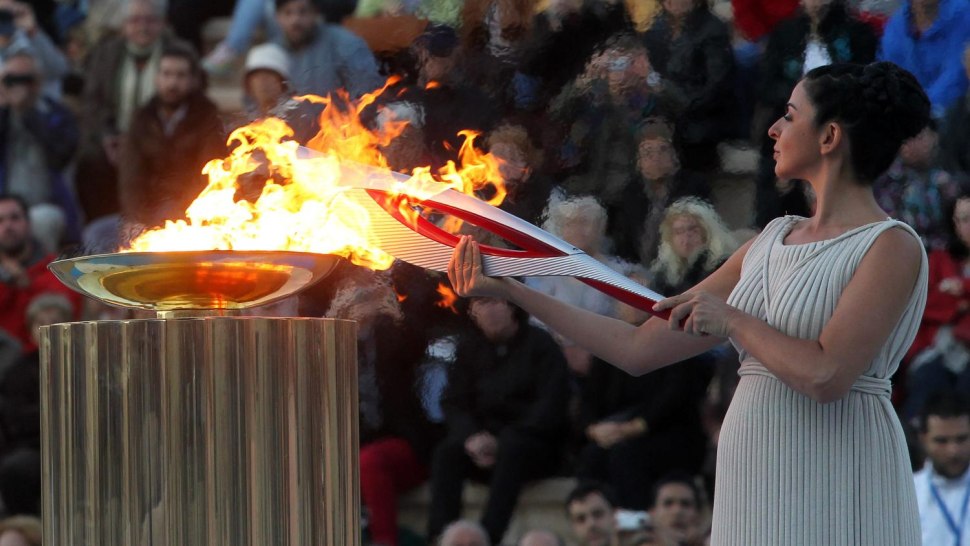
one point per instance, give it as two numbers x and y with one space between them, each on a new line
618 124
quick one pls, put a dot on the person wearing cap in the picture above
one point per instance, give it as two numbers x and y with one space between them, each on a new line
325 57
266 80
268 92
19 31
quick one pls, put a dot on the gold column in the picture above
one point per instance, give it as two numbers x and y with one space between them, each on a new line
215 431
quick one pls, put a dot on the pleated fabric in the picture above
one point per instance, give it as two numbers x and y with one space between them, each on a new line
791 471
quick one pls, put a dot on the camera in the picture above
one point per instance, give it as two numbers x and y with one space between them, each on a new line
629 520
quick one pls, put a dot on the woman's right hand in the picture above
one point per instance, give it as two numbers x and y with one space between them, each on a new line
467 275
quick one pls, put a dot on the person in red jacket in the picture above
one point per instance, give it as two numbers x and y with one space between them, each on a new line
757 18
23 270
940 354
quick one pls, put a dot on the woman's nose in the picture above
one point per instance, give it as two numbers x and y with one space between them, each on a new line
773 131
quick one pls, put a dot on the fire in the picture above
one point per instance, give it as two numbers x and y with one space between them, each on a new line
448 298
268 195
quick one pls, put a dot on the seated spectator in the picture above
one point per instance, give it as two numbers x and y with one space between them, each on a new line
20 32
634 222
536 537
171 139
188 17
408 149
21 531
758 18
916 188
581 222
940 354
493 41
247 17
120 76
447 102
927 37
693 243
642 428
23 271
691 51
676 510
324 56
592 514
599 113
519 159
955 129
821 32
875 12
464 533
505 409
396 438
564 37
38 138
942 486
20 411
266 81
437 12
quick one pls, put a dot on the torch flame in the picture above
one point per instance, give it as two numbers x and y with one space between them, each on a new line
300 204
448 298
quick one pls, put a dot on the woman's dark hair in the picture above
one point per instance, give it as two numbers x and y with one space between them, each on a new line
879 105
954 246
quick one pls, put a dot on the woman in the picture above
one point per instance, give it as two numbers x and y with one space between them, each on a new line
820 33
821 309
693 243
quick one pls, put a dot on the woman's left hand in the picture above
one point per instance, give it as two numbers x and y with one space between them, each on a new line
699 314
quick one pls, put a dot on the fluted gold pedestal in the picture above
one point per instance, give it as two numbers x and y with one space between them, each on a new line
211 431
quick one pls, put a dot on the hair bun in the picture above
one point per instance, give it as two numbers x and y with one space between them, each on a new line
879 105
890 91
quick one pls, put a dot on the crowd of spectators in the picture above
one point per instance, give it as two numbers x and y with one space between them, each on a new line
613 121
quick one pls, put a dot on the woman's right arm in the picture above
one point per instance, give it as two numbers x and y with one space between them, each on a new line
636 350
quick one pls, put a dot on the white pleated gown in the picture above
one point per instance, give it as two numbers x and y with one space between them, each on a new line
791 471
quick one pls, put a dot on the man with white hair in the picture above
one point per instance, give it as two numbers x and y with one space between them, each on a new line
120 79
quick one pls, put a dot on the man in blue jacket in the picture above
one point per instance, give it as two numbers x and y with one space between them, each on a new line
324 56
927 38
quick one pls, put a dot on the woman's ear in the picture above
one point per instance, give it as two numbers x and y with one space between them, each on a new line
831 137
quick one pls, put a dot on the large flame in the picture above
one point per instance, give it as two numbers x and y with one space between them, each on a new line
268 196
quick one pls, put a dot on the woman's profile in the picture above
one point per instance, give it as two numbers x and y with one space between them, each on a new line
820 309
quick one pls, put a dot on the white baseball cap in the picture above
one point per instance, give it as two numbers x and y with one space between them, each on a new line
268 57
